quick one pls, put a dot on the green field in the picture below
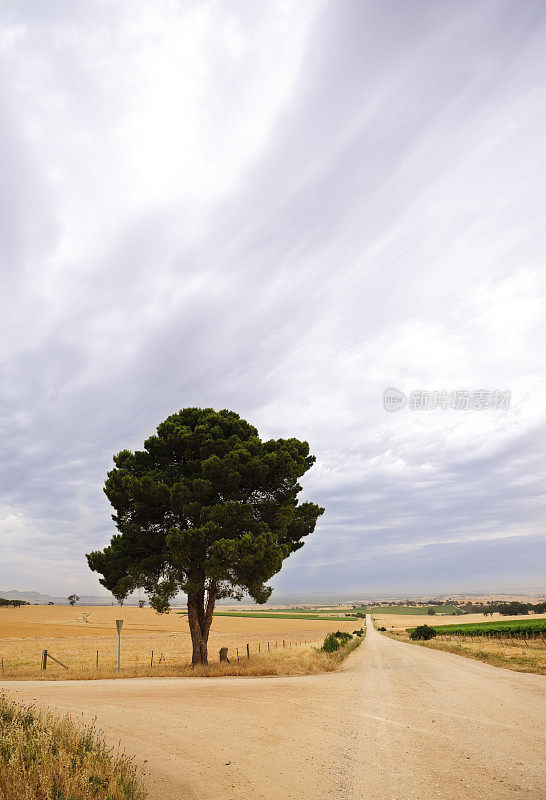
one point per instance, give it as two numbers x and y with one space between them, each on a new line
276 615
409 610
524 627
337 615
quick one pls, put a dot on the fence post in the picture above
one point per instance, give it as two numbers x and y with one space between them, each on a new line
237 655
283 643
268 647
259 647
152 659
97 659
119 625
44 659
247 651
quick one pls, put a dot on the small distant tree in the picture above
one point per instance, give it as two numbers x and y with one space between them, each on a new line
73 599
431 612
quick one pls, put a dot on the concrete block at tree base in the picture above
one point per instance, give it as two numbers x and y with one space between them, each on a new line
223 654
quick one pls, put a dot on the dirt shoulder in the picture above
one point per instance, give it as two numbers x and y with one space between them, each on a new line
516 654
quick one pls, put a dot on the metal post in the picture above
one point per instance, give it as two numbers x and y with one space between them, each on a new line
119 625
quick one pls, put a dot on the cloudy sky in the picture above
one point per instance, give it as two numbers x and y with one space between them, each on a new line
282 208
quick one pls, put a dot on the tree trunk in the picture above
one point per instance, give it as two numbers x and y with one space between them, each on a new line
200 619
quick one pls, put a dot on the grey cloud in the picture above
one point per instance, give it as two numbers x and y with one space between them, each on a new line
395 192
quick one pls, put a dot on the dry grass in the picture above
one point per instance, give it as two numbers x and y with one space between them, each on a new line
62 632
520 655
297 660
171 658
44 757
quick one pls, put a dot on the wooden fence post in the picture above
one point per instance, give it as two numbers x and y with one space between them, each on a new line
238 659
247 651
97 659
152 659
44 659
268 647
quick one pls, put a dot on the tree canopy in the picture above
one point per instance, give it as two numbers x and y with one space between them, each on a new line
208 509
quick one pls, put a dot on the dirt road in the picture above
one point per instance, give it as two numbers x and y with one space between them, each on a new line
398 722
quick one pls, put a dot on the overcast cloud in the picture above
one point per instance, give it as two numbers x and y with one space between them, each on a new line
282 208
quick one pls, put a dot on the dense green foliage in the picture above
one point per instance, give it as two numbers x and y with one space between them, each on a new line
423 632
331 643
527 627
507 608
208 509
13 603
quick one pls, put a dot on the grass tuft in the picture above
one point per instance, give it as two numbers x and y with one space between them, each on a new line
45 757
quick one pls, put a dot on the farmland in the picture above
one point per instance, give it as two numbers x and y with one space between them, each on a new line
341 613
276 615
402 622
75 635
413 610
516 627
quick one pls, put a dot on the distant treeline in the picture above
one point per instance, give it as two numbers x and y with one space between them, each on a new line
14 603
511 608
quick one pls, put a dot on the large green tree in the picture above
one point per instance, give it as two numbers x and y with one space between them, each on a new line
208 509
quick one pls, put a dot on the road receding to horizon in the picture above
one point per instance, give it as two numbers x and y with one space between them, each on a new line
397 722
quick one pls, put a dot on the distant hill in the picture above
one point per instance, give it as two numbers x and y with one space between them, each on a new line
44 599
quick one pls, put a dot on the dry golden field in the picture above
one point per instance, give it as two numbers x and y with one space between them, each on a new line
74 635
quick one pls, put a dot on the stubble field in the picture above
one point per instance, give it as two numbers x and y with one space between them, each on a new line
74 635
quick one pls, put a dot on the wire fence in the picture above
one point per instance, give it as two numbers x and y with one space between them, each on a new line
105 658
